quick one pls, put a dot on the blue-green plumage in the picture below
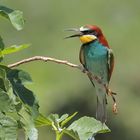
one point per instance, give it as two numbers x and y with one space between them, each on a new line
94 57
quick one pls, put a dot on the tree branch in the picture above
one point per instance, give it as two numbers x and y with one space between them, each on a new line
45 59
64 62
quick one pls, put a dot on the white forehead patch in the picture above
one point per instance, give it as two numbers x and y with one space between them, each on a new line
83 29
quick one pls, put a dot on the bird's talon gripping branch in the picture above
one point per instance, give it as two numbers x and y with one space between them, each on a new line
115 110
83 69
109 92
114 93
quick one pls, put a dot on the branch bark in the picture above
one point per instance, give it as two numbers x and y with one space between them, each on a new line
45 59
64 62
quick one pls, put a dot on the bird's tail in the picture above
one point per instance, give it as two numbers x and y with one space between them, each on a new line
101 113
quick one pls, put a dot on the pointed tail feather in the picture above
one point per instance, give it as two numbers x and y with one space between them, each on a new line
101 113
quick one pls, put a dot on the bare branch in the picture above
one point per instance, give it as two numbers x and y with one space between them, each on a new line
45 59
64 62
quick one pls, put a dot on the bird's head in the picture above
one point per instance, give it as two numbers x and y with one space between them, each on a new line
89 33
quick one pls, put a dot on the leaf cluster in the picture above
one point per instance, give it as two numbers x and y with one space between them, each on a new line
84 128
18 105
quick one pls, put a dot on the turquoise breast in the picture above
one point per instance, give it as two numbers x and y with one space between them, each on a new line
97 60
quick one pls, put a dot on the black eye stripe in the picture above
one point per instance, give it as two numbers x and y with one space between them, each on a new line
89 32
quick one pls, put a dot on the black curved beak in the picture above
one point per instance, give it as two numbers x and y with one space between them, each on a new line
78 34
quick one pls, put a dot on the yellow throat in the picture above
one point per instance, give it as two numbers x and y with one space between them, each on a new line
87 38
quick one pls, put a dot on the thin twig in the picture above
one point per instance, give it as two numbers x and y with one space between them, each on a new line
43 58
64 62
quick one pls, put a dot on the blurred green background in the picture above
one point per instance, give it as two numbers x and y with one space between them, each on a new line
61 89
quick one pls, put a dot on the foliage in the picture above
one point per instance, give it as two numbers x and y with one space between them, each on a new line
19 107
82 129
15 16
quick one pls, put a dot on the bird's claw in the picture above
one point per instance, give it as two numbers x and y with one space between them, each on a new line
114 109
82 69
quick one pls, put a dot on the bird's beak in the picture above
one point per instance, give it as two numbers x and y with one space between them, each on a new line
78 34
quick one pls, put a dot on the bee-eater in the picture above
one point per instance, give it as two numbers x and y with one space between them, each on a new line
97 58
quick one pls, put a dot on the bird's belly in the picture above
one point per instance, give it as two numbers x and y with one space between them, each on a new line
96 62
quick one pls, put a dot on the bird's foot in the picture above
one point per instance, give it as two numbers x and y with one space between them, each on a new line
114 109
82 69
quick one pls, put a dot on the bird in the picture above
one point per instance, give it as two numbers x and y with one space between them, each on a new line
97 58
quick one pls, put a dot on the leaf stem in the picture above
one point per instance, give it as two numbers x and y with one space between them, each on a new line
58 135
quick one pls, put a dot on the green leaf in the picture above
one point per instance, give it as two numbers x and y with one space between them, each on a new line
1 44
4 11
15 16
6 104
42 121
1 48
27 122
68 119
18 102
13 49
4 82
72 134
86 127
7 98
8 128
17 79
24 77
53 117
62 118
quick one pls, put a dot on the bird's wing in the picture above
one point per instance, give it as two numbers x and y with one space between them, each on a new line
110 63
82 56
83 62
